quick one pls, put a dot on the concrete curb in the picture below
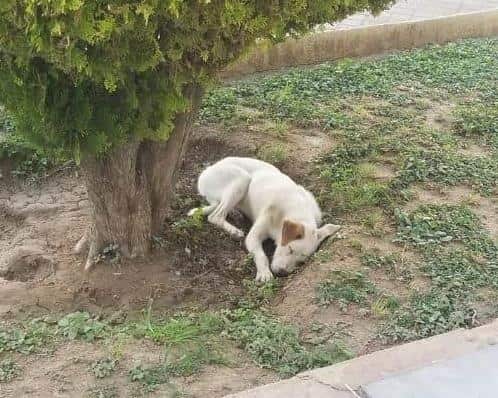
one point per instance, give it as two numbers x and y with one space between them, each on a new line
360 42
338 381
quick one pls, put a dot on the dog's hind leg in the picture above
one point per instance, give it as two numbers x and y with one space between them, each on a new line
231 197
206 210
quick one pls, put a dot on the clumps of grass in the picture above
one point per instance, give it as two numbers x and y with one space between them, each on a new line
149 377
219 105
180 329
257 294
352 187
9 370
106 391
191 361
30 337
428 314
80 325
459 258
277 346
458 270
431 225
448 167
275 154
103 367
345 287
479 120
185 227
391 263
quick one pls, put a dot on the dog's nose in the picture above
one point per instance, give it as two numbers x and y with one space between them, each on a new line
281 273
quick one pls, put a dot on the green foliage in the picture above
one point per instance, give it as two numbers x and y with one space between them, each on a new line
30 337
431 225
392 264
427 314
103 367
79 325
275 154
277 346
258 294
150 377
8 370
344 287
89 75
478 120
106 391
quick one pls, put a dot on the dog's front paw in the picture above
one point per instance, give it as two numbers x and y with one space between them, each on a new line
237 233
264 276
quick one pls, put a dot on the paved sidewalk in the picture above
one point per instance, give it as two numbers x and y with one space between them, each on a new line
416 10
453 352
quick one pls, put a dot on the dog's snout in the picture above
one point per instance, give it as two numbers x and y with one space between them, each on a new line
281 273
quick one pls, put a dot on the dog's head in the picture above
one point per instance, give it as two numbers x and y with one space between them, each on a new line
298 242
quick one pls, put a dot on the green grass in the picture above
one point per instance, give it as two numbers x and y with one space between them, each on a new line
478 120
103 367
31 336
277 346
80 325
9 370
345 287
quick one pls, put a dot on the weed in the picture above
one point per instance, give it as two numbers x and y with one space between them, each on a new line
8 370
478 120
103 367
344 287
275 154
392 264
257 294
149 377
30 337
431 225
108 391
384 305
427 314
186 226
191 361
79 325
277 346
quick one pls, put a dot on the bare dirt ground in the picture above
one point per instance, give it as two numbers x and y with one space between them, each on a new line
40 224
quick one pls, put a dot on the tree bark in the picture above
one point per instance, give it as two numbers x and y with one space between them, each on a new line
130 189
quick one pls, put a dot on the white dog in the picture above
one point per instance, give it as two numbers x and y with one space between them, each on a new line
279 208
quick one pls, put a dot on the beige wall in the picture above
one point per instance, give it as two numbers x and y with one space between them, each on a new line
358 42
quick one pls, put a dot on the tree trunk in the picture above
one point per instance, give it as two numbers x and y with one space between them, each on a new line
130 189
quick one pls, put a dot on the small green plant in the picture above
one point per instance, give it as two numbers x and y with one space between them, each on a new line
103 367
431 225
275 154
149 377
192 360
478 120
79 325
8 370
257 294
427 314
391 263
344 287
107 391
27 338
277 346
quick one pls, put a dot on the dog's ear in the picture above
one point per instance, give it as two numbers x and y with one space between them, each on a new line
291 231
326 231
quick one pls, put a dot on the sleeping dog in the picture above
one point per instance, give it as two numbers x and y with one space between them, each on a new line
278 207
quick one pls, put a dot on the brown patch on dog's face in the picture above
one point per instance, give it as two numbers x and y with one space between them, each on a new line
291 231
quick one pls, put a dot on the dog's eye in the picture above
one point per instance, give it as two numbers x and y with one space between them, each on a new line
299 236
